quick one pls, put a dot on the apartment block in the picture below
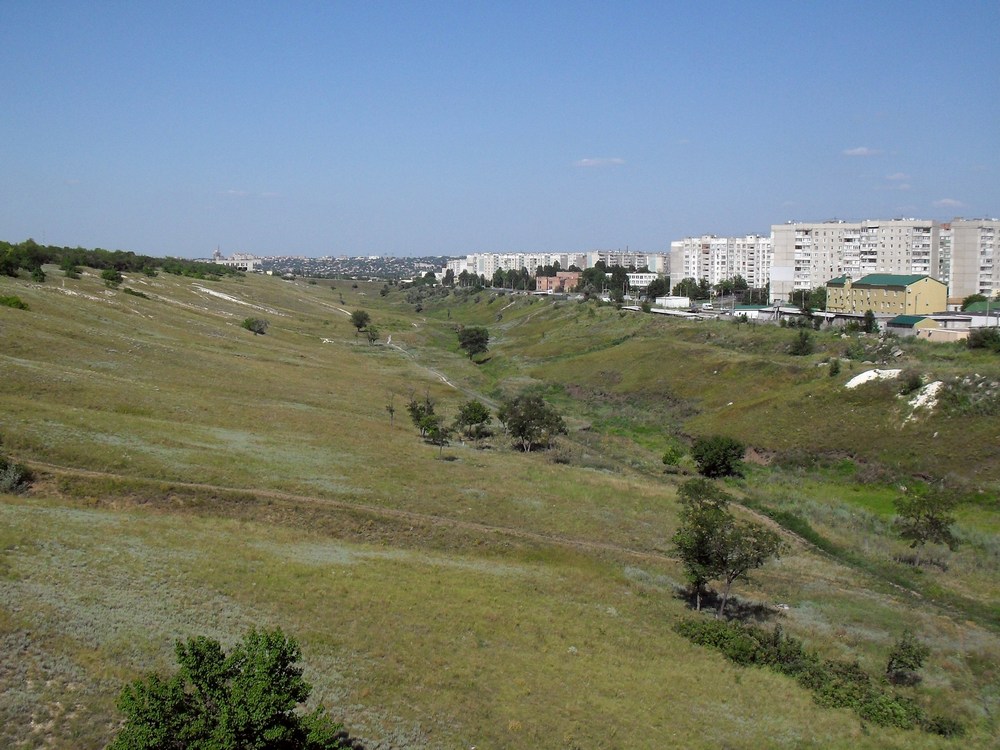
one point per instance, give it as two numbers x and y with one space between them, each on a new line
973 265
720 258
806 255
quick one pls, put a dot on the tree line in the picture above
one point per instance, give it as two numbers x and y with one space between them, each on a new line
31 256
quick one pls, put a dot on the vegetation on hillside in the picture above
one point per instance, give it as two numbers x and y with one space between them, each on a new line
194 479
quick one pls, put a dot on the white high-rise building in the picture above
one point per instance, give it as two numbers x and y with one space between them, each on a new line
720 258
807 255
974 265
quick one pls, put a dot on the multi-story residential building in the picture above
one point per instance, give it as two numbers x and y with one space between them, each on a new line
486 264
974 266
807 254
887 294
719 258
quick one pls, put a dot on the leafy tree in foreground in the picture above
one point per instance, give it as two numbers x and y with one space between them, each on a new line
360 319
718 456
243 700
926 517
869 325
372 333
530 421
703 514
713 545
742 547
474 339
258 326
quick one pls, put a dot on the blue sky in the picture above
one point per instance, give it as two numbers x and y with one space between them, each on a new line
418 128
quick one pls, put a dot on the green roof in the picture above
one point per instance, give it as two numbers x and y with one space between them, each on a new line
906 321
980 307
839 281
889 279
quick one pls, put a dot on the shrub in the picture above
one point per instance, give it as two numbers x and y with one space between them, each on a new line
14 477
802 345
835 684
984 338
910 381
257 325
905 659
13 301
112 276
835 367
134 293
718 456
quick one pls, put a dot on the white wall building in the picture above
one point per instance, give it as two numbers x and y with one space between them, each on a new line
240 261
807 255
974 265
719 258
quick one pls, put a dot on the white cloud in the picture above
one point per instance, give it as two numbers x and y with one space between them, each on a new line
600 162
897 176
948 203
860 151
235 192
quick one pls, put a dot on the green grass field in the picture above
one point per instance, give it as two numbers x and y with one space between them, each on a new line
193 478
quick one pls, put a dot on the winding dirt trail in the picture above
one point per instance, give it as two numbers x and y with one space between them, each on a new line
376 511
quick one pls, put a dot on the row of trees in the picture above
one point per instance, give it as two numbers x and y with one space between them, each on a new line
526 419
31 256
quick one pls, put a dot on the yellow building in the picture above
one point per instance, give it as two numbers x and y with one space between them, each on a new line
887 294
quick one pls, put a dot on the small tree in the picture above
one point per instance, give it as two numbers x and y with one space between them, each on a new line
437 431
474 339
372 333
243 699
718 456
926 517
472 419
869 325
703 516
420 411
530 421
905 660
360 319
391 408
743 547
256 325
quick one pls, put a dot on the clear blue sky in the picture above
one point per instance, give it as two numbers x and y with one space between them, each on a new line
417 128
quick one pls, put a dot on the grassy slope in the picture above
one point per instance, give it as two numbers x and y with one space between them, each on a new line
496 599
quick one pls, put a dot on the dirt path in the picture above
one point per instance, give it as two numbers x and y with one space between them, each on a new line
376 511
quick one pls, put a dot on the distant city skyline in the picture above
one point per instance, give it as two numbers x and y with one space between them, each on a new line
449 128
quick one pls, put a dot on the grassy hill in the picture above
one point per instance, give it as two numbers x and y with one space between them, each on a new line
193 478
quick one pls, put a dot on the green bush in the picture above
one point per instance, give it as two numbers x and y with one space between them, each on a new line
13 301
910 381
112 276
835 684
258 326
14 477
802 345
984 338
718 456
134 293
